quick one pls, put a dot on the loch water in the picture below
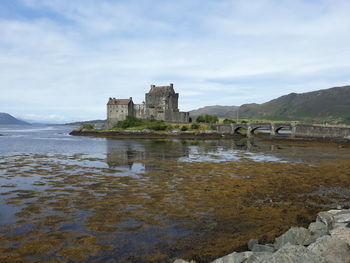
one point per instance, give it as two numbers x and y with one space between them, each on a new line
85 199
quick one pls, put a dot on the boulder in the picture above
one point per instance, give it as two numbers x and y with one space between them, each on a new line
295 236
180 261
318 229
258 257
342 233
252 242
234 257
340 216
183 261
294 254
263 248
326 218
334 250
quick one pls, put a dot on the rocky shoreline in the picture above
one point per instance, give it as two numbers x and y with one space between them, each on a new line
200 135
149 134
327 240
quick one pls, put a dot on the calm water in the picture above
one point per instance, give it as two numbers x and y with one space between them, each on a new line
83 199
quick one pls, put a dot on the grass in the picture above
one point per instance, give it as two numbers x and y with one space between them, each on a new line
134 124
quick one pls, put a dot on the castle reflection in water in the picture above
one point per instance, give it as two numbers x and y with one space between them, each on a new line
147 154
128 153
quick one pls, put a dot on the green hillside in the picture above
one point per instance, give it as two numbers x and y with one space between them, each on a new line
328 105
217 110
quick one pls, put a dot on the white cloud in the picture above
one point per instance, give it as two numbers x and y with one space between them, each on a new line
67 57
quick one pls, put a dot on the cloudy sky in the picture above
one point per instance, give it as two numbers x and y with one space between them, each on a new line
60 60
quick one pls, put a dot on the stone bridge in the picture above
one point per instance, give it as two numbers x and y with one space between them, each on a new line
296 129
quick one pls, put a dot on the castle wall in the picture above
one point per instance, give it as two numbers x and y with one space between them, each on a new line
167 115
117 112
144 113
176 116
140 111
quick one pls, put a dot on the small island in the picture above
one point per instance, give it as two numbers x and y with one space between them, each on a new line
133 127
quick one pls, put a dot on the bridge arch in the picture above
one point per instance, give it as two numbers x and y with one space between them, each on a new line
238 129
261 128
280 128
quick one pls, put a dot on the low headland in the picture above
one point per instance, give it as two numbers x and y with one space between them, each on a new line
327 240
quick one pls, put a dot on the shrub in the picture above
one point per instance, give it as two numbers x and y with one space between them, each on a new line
211 119
194 126
228 121
207 119
130 121
200 119
88 126
184 128
157 126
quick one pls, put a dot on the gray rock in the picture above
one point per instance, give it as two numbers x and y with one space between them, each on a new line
326 218
336 225
147 131
234 257
342 233
251 243
258 257
294 254
263 248
341 216
180 261
318 229
295 236
334 250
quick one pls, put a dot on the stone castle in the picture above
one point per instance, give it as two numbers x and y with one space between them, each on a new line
161 103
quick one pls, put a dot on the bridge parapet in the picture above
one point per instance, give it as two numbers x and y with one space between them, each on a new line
252 127
322 131
297 129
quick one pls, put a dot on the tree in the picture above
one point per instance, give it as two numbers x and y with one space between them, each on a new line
207 119
228 121
200 119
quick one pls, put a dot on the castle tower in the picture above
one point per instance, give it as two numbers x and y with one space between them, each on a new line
118 110
162 98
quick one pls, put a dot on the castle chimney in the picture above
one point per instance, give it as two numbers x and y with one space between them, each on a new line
171 85
130 98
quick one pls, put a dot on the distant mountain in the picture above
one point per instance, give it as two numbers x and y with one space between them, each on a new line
328 105
6 119
85 122
217 110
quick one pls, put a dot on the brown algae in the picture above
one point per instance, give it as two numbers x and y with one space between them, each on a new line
193 210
